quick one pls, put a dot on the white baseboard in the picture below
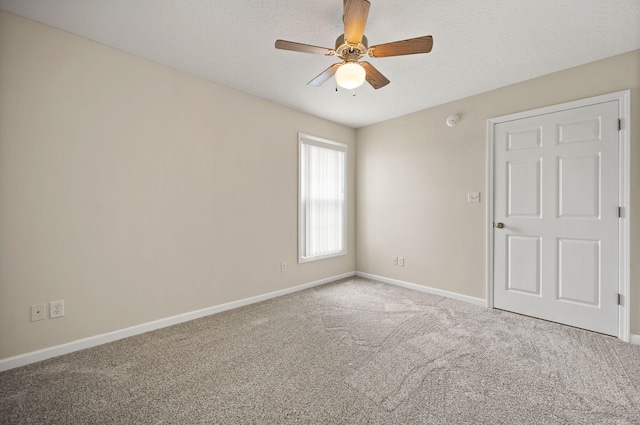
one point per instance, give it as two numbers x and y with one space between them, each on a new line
93 341
81 344
472 300
633 339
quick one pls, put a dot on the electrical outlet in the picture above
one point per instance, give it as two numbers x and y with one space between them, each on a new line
395 261
283 267
37 312
401 261
56 309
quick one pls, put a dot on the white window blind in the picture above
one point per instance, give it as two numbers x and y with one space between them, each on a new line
322 198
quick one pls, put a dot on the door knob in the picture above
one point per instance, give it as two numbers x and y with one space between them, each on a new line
499 225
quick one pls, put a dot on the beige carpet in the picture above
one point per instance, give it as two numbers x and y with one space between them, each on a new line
352 352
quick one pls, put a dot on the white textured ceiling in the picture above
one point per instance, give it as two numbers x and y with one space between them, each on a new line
478 45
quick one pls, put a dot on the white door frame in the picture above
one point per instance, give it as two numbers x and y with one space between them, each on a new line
624 194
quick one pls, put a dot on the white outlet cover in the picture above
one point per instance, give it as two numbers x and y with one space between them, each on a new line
56 309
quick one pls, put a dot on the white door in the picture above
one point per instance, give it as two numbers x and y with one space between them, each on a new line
556 217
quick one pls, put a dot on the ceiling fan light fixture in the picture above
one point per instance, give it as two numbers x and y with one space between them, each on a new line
350 76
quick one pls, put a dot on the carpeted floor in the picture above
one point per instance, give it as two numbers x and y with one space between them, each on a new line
352 352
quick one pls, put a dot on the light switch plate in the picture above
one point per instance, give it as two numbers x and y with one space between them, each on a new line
473 197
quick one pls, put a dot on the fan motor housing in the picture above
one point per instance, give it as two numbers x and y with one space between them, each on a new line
345 49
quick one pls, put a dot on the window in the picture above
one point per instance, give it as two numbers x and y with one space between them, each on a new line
322 210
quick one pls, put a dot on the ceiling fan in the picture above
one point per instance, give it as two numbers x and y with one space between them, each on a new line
353 45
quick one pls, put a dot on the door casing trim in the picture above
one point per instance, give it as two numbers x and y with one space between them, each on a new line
624 194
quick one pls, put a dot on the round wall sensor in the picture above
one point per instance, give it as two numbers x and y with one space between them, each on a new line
452 120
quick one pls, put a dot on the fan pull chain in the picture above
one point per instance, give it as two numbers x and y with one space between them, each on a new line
354 93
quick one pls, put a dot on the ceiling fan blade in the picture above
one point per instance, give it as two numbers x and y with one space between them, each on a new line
404 47
374 77
324 76
305 48
355 19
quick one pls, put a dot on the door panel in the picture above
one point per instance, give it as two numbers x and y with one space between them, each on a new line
525 139
523 188
579 187
578 271
556 191
523 264
580 131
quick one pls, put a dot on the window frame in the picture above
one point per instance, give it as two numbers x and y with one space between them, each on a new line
327 144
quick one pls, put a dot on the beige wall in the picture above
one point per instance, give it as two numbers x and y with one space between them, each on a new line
136 192
413 174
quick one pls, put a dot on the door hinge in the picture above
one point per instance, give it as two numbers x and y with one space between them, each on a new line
619 124
619 212
619 299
